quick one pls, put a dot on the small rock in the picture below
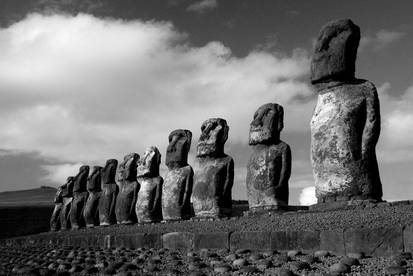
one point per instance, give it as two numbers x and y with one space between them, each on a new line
239 262
242 251
247 269
263 264
321 253
269 253
285 272
280 260
222 269
309 259
293 253
356 255
299 265
350 261
339 268
231 257
395 270
196 273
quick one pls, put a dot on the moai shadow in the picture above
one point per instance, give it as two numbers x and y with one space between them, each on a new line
148 205
79 198
91 214
214 172
345 126
177 189
58 206
269 167
67 197
110 190
128 189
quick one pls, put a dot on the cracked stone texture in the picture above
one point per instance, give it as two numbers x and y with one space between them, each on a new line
90 212
269 166
109 193
58 204
214 172
148 205
345 126
177 189
67 197
128 189
335 52
79 197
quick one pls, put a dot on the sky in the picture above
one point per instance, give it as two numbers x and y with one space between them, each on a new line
85 81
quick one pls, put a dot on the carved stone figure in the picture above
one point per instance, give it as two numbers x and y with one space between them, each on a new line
67 197
58 205
110 190
345 126
91 214
177 189
79 198
214 172
269 166
148 204
128 189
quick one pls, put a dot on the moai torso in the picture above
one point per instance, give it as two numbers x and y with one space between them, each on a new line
214 172
269 166
345 126
91 208
79 197
58 205
148 205
109 193
67 197
128 189
177 188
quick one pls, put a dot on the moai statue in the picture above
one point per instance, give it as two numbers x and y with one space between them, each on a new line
91 214
58 205
128 189
214 172
345 126
79 197
177 189
67 197
269 166
110 190
148 204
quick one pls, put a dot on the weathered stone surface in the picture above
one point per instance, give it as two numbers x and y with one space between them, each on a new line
408 238
214 172
128 189
90 212
148 205
67 197
335 51
110 190
306 241
333 241
374 242
269 166
345 126
178 240
79 198
138 240
345 129
250 240
58 205
211 240
177 188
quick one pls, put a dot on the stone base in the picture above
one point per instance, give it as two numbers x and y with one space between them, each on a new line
211 218
265 210
340 204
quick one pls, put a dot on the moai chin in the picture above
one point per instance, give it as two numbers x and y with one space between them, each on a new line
214 172
58 205
128 189
67 197
90 213
345 126
177 189
269 166
148 205
79 197
107 201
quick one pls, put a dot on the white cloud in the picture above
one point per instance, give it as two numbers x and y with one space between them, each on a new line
203 6
307 196
83 89
380 40
59 173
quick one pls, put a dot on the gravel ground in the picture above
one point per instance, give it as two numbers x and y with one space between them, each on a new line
121 261
374 216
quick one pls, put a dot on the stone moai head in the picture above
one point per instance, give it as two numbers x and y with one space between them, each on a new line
178 148
109 171
130 164
149 163
94 178
213 137
267 124
81 178
335 52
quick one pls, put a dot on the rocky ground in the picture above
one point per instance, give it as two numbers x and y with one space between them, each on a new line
141 261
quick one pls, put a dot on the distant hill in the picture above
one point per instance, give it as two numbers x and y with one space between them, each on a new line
42 196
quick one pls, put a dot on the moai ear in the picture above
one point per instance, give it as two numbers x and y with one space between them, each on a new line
225 130
280 117
188 134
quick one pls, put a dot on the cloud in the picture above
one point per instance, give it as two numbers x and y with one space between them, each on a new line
78 89
380 40
203 6
58 173
307 196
